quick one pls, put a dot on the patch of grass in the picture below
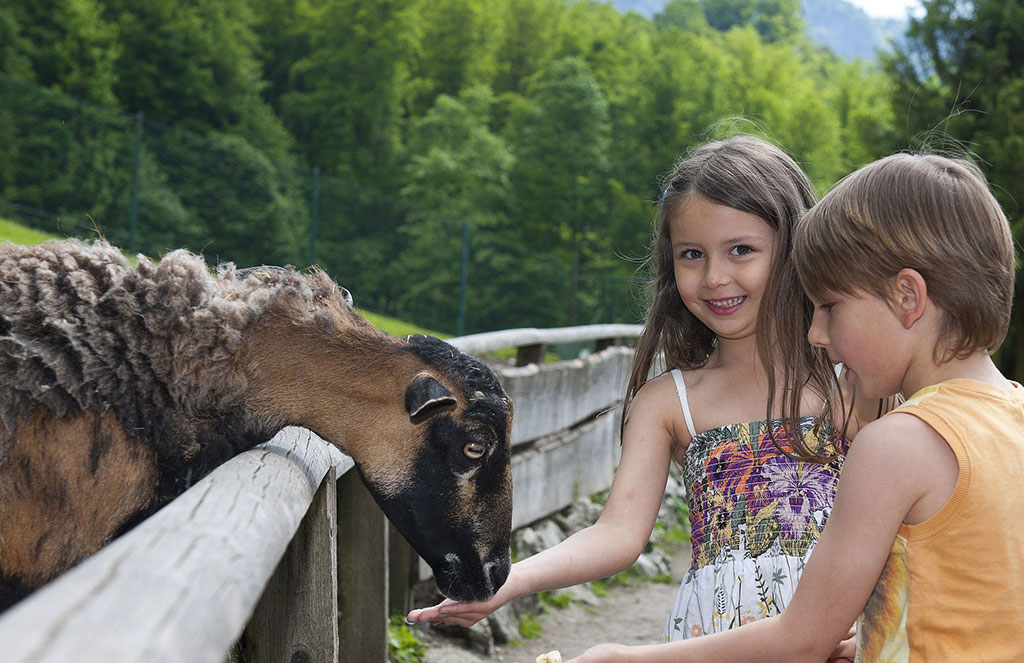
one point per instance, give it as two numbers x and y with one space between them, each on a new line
556 599
628 577
677 535
600 589
394 326
404 644
530 628
19 234
600 498
681 509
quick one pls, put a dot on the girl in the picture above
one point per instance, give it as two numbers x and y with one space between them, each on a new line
728 316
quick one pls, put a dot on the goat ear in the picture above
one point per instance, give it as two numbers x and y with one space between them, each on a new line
345 296
425 396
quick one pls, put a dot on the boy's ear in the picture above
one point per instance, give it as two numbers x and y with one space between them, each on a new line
911 296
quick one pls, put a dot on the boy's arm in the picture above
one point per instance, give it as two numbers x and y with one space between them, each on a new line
895 465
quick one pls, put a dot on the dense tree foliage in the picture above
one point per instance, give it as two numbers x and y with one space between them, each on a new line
959 87
368 134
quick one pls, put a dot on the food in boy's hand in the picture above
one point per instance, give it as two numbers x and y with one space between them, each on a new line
550 657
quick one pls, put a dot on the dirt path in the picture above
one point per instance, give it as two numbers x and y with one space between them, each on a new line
630 614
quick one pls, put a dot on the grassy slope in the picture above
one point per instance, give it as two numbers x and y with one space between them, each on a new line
19 234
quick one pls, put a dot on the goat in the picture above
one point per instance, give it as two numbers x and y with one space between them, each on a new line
120 385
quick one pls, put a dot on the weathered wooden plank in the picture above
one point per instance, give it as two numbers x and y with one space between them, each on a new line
296 619
181 586
580 462
362 574
553 397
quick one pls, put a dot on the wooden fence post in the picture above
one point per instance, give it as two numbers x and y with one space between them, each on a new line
296 620
362 574
403 571
531 354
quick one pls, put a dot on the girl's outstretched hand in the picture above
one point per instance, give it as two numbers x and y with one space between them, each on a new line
452 612
465 614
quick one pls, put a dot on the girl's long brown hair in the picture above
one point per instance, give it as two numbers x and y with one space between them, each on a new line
751 175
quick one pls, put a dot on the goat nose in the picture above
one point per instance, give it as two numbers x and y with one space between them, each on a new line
497 574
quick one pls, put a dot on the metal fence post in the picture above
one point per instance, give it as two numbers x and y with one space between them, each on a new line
137 168
315 215
463 280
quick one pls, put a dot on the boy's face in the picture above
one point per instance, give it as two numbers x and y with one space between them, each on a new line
863 332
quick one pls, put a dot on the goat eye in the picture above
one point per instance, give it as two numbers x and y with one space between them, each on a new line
474 450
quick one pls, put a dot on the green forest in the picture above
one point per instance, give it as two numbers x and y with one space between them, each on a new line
467 164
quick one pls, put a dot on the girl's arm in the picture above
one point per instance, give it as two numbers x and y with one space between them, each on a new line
615 541
897 469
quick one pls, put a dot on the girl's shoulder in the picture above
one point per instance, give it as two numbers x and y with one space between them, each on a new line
719 396
695 379
660 388
658 403
681 386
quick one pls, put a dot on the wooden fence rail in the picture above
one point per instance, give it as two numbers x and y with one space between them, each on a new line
281 554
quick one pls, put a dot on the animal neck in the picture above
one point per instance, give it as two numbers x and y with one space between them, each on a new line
346 385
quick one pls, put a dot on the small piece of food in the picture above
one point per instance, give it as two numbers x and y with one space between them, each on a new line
550 657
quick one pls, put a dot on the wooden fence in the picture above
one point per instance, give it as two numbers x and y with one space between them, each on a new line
282 555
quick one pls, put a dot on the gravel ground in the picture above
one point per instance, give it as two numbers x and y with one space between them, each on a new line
631 614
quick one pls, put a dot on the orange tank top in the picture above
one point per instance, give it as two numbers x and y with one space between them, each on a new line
951 587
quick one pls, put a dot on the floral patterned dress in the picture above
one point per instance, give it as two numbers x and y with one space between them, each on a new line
755 515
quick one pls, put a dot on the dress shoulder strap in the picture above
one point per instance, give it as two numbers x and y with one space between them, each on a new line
677 375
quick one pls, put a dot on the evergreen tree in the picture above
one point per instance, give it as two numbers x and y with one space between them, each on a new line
66 46
561 144
457 175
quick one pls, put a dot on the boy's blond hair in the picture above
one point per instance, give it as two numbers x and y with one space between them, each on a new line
925 212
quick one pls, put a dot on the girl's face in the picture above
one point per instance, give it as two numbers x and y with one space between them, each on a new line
722 258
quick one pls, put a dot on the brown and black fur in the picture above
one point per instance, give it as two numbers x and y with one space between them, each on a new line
120 386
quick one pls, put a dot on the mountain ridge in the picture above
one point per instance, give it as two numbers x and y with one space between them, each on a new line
839 25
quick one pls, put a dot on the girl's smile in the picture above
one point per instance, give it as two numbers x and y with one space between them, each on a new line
725 306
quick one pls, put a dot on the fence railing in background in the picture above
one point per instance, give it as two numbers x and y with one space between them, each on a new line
532 343
281 554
